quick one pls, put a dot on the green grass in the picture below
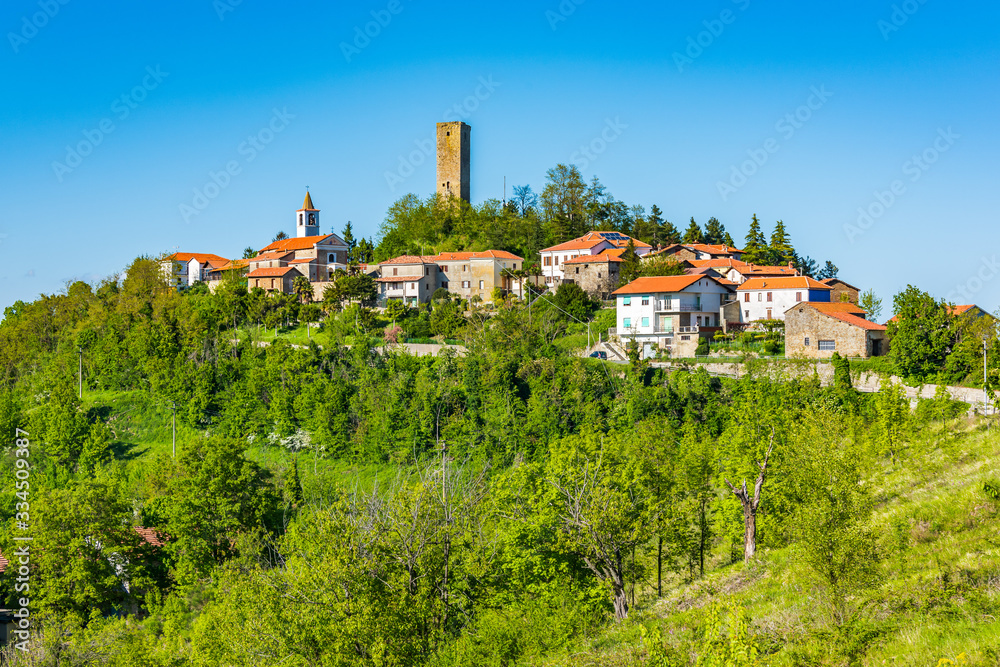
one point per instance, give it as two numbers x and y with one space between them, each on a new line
941 593
296 335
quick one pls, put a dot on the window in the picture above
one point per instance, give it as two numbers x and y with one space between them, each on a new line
626 301
413 286
427 271
760 296
769 299
645 300
598 274
627 323
547 261
746 314
332 258
746 297
827 345
699 320
578 269
806 341
548 280
556 258
798 297
395 271
444 285
481 284
466 284
444 268
645 321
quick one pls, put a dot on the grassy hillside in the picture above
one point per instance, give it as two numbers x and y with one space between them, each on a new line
940 599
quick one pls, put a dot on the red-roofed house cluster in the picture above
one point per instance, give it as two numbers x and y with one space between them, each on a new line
720 291
413 279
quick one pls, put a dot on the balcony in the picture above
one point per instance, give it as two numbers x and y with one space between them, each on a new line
688 330
675 306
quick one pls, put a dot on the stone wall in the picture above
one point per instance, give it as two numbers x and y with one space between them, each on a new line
597 279
807 322
453 153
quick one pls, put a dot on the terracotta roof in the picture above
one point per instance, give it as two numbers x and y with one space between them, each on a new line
217 263
657 284
298 243
720 261
484 254
269 256
591 239
763 271
307 204
151 536
304 260
236 264
798 282
959 310
843 311
202 257
399 279
273 272
601 257
714 248
410 259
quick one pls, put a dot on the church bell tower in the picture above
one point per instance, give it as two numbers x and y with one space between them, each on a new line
307 219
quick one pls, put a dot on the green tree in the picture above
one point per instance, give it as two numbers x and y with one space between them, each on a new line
669 234
562 201
302 288
872 305
920 335
249 252
631 264
829 270
693 233
781 248
715 232
572 299
349 240
660 265
755 249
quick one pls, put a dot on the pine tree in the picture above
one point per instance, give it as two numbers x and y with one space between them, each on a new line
715 232
728 240
669 234
631 264
755 248
782 251
348 237
829 270
693 233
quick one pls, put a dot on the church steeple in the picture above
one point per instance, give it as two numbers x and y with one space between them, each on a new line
307 218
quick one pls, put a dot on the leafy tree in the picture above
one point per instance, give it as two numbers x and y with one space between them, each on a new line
293 486
661 265
920 334
841 372
395 309
693 233
447 318
249 252
572 299
872 304
631 264
302 288
562 202
525 200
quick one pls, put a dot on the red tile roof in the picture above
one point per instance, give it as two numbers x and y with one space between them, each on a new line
202 257
304 260
236 264
484 254
591 239
274 272
843 311
657 284
151 536
713 248
399 279
269 256
410 259
298 243
799 282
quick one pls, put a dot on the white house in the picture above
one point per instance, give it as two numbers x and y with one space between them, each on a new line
183 269
770 298
591 243
669 311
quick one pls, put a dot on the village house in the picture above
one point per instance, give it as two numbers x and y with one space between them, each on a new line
698 251
595 274
592 243
414 278
817 330
842 291
669 312
770 298
183 269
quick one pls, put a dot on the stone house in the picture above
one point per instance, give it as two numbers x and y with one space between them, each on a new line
273 279
817 330
555 257
842 291
596 274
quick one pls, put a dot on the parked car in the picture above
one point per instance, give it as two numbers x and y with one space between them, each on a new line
599 355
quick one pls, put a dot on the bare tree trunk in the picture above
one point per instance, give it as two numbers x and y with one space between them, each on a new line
750 505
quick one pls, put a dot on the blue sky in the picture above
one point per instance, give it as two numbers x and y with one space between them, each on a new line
699 96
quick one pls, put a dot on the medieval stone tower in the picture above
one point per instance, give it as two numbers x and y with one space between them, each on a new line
453 141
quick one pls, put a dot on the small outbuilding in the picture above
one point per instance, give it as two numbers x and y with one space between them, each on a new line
817 330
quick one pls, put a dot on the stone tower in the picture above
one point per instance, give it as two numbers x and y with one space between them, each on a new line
453 141
307 219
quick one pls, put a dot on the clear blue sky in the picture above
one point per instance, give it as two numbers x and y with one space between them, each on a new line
558 77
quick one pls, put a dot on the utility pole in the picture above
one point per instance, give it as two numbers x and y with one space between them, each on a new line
173 426
986 383
79 351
